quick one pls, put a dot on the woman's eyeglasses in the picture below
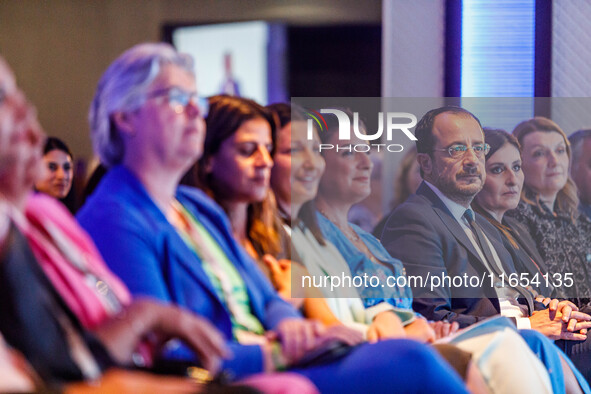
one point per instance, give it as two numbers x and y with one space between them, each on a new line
179 99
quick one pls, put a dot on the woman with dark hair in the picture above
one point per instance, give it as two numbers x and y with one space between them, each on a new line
549 208
235 169
59 175
496 201
501 193
176 244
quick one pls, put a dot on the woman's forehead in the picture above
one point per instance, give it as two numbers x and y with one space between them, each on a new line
174 75
542 138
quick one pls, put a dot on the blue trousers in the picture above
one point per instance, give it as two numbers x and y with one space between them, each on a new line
397 365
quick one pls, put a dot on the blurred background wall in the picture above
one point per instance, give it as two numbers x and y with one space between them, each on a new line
423 48
60 48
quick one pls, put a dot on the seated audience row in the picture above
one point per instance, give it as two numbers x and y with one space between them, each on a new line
434 233
235 169
185 288
335 248
56 338
175 244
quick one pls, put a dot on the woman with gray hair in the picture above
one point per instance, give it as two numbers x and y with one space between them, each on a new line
175 244
124 88
59 305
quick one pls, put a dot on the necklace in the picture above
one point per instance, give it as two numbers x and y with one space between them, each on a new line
352 236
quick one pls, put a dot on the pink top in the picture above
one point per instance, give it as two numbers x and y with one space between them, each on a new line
71 261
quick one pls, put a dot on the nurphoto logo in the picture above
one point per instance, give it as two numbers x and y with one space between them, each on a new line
395 121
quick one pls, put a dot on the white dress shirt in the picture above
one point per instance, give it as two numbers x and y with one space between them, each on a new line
507 296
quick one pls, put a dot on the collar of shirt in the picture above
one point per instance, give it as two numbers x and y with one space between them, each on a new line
507 299
456 209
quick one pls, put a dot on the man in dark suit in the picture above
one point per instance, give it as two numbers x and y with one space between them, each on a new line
457 254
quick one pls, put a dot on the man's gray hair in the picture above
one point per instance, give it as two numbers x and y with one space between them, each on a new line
123 87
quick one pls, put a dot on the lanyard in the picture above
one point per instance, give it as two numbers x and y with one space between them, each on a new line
55 244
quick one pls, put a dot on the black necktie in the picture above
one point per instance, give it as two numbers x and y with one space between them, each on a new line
481 240
492 262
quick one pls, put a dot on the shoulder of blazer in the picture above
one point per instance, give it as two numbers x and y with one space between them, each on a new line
488 227
201 205
426 196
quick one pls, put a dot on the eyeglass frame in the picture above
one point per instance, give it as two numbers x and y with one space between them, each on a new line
462 152
179 106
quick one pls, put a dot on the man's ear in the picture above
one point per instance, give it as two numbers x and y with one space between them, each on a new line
123 123
425 162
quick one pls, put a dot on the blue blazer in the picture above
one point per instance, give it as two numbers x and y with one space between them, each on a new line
423 234
146 252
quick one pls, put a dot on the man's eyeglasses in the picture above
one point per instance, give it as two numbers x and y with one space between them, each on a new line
458 150
179 99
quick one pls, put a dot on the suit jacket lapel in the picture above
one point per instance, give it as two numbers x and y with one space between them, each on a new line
176 245
457 231
450 222
232 250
